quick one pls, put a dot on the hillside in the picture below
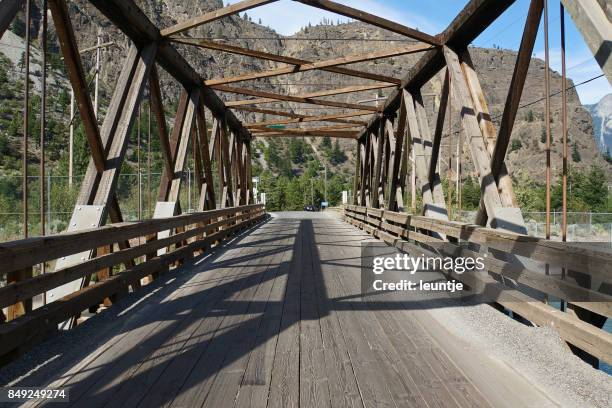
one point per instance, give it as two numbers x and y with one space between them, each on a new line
316 42
601 113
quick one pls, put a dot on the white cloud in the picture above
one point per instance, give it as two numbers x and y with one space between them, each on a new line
287 17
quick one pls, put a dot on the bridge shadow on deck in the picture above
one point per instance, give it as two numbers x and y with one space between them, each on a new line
247 330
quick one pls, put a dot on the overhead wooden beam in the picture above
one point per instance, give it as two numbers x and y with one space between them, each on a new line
212 45
160 119
322 118
437 140
131 20
120 123
214 15
475 17
500 216
596 29
170 146
312 129
327 92
386 53
372 19
332 133
289 98
76 75
207 193
517 83
8 11
289 114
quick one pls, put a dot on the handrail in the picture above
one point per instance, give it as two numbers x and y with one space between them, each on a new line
19 254
407 232
191 234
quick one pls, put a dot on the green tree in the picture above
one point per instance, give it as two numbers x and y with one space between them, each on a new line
516 144
470 194
337 156
575 154
326 143
296 149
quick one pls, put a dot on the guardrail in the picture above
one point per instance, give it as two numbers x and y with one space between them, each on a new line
189 234
410 233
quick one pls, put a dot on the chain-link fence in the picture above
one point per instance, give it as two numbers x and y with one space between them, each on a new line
581 226
136 193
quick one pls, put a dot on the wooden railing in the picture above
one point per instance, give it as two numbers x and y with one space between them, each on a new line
144 260
411 233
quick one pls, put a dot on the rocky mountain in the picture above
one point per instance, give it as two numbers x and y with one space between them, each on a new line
601 113
321 41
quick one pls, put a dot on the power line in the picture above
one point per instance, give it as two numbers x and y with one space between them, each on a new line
542 98
302 39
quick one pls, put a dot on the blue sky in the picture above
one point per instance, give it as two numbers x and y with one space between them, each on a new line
287 17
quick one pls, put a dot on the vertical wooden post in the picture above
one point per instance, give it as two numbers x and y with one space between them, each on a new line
23 307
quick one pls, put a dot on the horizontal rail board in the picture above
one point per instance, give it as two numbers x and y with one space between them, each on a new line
590 260
17 291
573 330
16 255
29 327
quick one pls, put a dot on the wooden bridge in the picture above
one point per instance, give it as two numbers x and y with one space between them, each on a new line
229 306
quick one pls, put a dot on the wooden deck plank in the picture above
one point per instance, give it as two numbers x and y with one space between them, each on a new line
228 380
396 378
255 385
437 385
314 380
80 378
196 387
156 374
139 365
373 387
425 359
343 387
285 381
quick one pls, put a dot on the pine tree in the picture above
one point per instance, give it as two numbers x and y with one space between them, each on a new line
337 156
575 154
326 143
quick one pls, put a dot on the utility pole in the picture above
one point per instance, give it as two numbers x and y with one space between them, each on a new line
97 75
97 47
325 167
71 140
312 192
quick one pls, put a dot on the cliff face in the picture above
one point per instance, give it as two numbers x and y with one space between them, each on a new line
602 122
494 66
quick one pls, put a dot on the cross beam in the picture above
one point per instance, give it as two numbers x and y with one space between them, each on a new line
213 16
351 59
290 98
327 92
212 45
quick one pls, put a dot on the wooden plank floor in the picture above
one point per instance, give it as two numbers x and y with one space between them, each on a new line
272 320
